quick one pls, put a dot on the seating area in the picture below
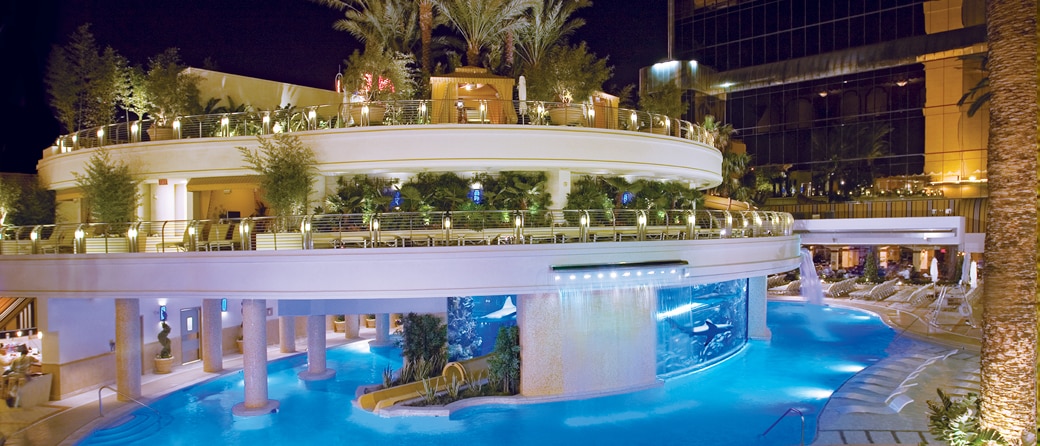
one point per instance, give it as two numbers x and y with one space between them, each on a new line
877 292
841 289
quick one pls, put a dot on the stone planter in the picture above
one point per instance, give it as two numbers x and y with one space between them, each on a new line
370 322
338 326
163 365
157 133
376 113
238 343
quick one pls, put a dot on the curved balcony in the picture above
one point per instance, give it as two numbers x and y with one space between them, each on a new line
380 113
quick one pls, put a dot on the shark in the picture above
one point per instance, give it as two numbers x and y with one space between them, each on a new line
709 330
508 309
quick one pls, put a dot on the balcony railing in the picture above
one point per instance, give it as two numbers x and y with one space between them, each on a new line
388 113
397 229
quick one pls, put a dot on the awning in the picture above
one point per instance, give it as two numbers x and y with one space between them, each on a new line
221 183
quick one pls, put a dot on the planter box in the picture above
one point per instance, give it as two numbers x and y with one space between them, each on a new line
106 245
163 365
14 247
271 241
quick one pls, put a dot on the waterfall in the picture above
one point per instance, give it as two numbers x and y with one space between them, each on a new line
812 290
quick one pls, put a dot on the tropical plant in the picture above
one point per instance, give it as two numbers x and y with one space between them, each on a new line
388 377
109 189
424 342
847 153
482 22
1009 329
84 82
522 190
979 94
359 194
379 75
10 195
956 422
170 90
429 391
569 72
665 99
164 342
548 24
504 362
285 166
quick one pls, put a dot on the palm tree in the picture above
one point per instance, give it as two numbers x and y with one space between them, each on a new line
426 25
383 24
482 22
548 25
1009 330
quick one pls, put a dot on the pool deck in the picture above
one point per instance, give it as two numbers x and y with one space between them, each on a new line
863 411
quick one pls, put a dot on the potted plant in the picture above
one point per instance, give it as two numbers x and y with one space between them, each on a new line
663 103
285 166
170 92
339 324
164 360
374 78
370 321
238 340
569 74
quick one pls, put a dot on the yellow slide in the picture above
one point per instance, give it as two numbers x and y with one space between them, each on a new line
462 371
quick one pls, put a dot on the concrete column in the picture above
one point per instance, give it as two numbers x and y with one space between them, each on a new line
352 326
254 360
559 187
756 309
382 330
128 348
212 336
287 333
316 370
181 202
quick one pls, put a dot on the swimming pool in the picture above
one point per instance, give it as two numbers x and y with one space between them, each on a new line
813 351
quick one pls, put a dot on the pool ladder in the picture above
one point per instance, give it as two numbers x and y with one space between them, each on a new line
101 409
788 412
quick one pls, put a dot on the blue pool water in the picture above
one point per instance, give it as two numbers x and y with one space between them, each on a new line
813 351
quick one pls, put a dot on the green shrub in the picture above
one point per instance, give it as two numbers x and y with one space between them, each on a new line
504 363
956 422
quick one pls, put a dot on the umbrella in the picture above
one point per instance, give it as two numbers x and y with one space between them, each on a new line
934 270
521 94
965 268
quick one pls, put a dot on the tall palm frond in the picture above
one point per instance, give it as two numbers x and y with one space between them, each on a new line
481 22
548 24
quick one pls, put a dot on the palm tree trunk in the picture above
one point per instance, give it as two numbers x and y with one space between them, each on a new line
473 56
1008 361
426 32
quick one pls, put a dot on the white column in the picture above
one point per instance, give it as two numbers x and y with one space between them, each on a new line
351 326
163 202
181 201
559 187
254 360
212 336
382 330
756 310
316 370
287 333
128 348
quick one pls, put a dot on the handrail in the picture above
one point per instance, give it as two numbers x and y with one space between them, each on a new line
433 228
792 409
101 408
383 113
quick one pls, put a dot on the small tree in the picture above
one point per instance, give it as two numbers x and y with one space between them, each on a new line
569 72
665 99
84 82
870 268
10 195
504 363
379 75
425 340
109 188
164 341
169 90
285 166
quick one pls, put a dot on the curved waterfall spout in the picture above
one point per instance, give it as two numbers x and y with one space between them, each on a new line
811 288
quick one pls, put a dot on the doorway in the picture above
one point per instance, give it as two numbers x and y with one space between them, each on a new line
190 334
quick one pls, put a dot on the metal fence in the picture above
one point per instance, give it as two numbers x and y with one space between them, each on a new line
395 229
387 113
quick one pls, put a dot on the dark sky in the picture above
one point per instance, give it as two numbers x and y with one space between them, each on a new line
283 40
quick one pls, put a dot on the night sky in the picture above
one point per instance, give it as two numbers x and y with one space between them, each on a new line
282 40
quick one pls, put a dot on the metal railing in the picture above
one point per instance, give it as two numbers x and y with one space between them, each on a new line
778 420
101 408
387 113
393 229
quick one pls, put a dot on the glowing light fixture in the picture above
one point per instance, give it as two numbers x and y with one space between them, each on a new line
162 313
